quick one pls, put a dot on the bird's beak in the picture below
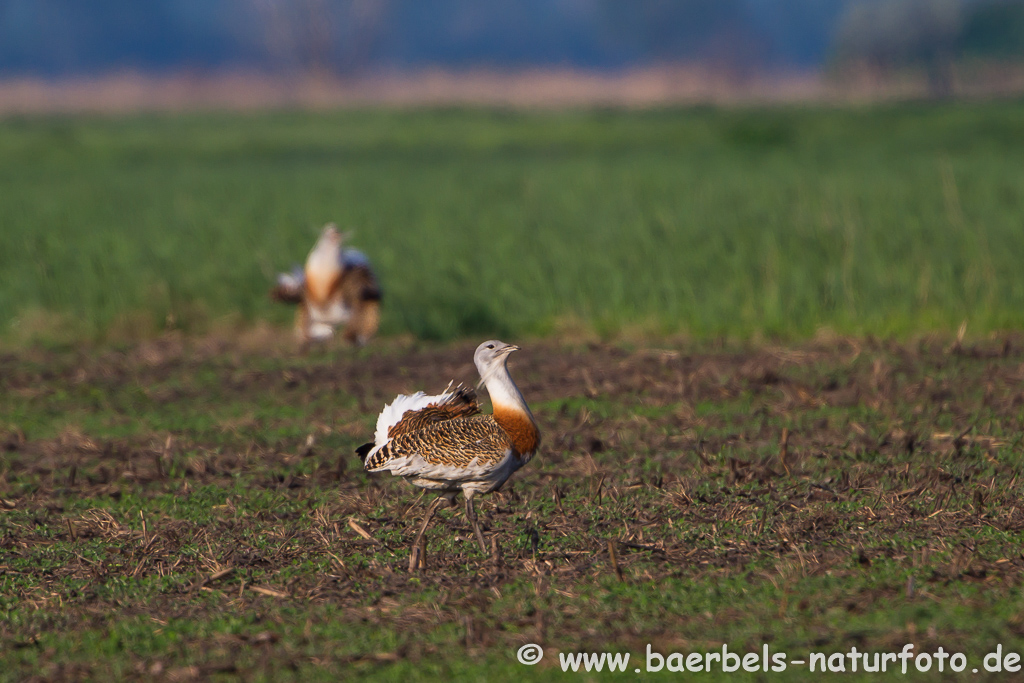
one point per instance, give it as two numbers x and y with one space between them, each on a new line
509 349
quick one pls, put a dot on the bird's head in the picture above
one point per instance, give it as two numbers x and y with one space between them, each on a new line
329 237
492 356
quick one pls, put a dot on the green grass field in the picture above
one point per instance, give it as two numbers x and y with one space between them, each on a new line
701 221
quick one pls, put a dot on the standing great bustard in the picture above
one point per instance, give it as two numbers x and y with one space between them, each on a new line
442 443
336 287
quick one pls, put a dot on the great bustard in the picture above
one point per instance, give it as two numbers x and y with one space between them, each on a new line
442 443
336 287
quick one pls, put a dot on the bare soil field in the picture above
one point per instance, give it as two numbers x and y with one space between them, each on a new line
186 509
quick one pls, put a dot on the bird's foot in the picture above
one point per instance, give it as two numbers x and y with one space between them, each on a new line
417 558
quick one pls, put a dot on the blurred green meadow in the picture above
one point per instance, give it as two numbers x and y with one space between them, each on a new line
702 221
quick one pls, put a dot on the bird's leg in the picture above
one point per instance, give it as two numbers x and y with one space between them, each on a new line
416 555
471 516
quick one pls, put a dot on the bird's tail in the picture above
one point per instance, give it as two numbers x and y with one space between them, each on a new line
364 450
373 460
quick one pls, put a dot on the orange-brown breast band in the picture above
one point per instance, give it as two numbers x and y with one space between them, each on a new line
520 428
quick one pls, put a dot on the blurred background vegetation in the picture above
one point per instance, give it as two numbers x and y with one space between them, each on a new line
703 221
348 37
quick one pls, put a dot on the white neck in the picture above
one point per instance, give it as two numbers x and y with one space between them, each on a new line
323 258
504 392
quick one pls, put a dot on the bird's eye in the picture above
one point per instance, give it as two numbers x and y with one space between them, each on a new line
490 346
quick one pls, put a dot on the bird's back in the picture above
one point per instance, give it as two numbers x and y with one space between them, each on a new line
455 443
360 295
459 404
469 453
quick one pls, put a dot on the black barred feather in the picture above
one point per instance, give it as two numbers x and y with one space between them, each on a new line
461 403
454 443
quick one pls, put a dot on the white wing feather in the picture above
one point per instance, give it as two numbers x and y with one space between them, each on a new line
292 282
393 412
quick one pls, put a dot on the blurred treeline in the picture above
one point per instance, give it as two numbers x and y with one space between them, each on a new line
883 36
341 37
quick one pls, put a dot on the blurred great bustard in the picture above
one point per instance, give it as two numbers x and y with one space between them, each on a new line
336 287
442 443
